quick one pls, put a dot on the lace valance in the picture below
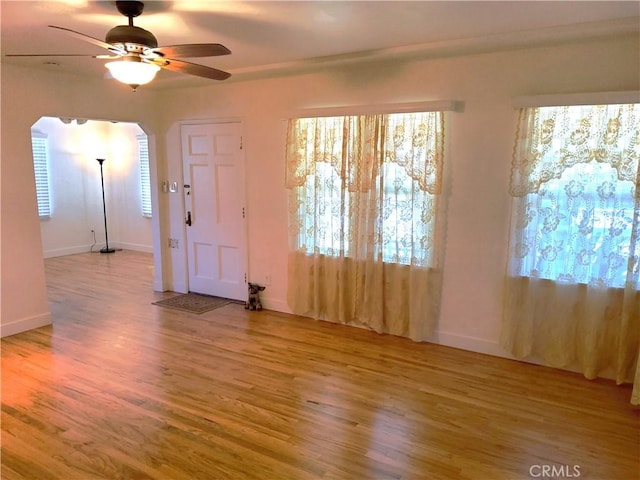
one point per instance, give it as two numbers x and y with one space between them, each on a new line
551 139
356 147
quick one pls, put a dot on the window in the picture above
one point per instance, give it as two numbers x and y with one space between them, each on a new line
366 185
571 290
145 177
39 146
363 196
576 174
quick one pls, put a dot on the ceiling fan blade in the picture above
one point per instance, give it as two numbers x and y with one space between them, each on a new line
89 39
51 55
192 50
192 69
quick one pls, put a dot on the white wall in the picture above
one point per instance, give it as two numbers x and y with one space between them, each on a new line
76 195
122 175
479 144
478 155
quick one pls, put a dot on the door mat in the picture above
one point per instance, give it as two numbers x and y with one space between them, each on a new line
194 302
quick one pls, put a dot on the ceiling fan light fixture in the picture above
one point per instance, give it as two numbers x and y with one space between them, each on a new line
137 57
132 71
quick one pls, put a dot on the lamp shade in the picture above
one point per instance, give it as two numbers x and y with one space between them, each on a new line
132 73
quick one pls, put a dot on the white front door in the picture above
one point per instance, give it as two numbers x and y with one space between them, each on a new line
214 189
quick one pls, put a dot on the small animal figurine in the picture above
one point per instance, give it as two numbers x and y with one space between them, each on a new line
253 303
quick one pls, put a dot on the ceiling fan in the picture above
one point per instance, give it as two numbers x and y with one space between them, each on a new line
136 56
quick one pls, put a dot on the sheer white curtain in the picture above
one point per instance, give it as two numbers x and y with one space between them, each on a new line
363 197
572 283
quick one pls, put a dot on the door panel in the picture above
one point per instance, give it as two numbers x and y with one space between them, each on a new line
214 180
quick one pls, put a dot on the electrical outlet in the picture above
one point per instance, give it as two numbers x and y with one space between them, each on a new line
267 279
173 243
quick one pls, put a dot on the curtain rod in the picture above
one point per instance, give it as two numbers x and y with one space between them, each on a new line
561 99
409 107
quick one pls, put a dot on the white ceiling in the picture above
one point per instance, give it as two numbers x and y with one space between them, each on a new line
268 37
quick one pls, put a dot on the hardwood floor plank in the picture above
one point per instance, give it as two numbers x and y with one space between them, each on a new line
119 388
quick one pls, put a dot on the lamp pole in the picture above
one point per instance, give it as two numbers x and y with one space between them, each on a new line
106 249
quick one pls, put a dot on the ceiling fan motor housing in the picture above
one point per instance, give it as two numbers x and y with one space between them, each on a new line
130 8
125 34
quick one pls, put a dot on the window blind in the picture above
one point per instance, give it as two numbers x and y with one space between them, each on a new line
41 170
145 177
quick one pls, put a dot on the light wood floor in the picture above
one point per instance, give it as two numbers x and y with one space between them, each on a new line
122 389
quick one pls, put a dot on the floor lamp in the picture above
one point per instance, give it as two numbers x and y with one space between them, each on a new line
106 249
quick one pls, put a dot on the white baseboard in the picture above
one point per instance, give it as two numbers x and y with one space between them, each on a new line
493 348
472 344
135 247
60 252
448 339
160 286
22 325
275 304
